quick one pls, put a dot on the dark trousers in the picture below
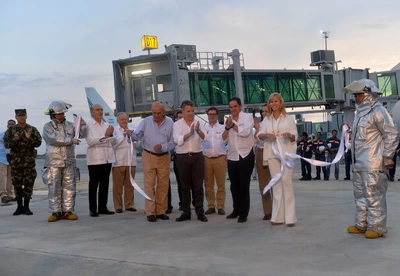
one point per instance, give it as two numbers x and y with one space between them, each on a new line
99 176
169 195
178 181
321 157
305 169
240 175
191 174
347 160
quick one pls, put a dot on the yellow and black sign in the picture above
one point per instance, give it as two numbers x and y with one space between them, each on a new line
149 42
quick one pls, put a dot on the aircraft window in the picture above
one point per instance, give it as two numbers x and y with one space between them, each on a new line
164 83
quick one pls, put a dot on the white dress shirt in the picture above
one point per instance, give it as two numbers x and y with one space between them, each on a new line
213 145
193 144
241 143
98 152
122 149
278 127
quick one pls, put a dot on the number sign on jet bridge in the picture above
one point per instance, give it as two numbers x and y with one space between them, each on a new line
149 42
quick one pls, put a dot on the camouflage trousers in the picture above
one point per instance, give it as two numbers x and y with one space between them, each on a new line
23 180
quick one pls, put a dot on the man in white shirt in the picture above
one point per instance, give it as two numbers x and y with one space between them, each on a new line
190 161
238 133
121 167
214 150
6 187
100 156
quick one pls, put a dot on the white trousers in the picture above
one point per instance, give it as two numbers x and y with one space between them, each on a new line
283 205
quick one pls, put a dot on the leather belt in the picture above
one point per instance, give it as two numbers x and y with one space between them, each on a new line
190 153
156 154
216 156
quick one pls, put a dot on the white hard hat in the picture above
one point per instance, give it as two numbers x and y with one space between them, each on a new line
321 148
57 107
362 86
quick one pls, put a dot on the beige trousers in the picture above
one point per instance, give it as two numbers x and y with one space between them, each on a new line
6 187
264 177
156 181
215 168
122 184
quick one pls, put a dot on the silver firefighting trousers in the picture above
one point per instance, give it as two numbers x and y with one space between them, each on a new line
62 188
370 198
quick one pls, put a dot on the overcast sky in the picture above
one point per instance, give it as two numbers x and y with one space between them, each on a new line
51 50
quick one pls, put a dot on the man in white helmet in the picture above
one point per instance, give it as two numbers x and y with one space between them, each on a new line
373 143
60 161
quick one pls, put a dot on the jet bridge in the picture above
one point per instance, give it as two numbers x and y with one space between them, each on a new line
211 79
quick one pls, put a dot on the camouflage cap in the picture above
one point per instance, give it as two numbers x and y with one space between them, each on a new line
20 112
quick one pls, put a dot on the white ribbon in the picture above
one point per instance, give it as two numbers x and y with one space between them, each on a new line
77 122
287 159
133 182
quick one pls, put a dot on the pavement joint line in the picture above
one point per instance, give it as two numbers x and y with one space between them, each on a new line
109 260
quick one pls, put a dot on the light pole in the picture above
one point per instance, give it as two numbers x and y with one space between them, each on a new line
325 34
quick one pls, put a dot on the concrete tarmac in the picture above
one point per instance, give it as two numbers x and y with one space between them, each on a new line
127 244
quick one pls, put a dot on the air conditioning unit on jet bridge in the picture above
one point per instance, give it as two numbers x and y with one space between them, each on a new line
323 56
185 53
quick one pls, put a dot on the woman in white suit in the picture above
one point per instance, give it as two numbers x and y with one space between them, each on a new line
280 127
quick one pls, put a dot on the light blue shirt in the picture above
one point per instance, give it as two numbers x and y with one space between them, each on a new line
3 150
153 134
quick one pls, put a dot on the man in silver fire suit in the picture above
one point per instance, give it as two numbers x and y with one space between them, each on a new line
60 161
373 143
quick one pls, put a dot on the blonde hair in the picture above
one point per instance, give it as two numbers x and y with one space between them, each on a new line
281 107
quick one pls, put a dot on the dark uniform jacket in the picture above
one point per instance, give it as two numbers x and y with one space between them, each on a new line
304 145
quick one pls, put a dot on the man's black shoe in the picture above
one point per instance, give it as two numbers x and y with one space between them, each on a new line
169 210
326 178
106 212
163 217
221 212
94 214
242 219
233 215
5 199
391 178
131 209
317 178
210 211
202 218
346 178
308 178
119 211
303 178
183 217
152 218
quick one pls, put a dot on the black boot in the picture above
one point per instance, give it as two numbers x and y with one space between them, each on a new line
20 209
26 207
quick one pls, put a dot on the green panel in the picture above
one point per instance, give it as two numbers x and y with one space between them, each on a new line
329 87
216 88
314 87
387 84
213 88
252 88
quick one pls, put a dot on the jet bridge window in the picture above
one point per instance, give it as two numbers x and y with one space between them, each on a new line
164 83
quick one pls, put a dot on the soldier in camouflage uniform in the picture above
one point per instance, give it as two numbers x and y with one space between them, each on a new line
22 139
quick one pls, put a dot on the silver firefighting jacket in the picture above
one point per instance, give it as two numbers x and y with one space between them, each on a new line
60 150
374 136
